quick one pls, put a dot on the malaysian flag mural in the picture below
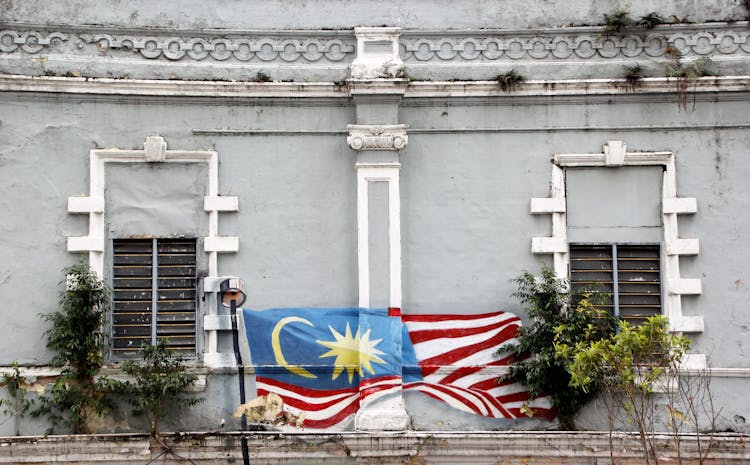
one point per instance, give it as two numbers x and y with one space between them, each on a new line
324 363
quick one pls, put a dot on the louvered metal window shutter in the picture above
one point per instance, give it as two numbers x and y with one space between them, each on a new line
153 280
629 275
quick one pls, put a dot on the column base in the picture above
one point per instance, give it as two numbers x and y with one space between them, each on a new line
219 360
381 420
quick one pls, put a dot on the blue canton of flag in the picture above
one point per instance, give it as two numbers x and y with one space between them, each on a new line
322 361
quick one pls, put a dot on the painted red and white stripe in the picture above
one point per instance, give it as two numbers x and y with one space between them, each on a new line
327 408
459 363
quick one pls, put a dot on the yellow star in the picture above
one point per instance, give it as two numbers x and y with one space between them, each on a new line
352 353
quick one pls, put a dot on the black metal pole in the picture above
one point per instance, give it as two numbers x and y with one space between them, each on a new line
241 374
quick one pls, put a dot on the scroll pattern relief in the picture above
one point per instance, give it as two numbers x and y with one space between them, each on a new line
253 47
415 46
374 137
223 48
550 45
29 41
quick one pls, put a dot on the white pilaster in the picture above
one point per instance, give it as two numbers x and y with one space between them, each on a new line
379 172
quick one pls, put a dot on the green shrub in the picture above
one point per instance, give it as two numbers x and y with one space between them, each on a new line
629 365
19 403
77 340
160 381
556 318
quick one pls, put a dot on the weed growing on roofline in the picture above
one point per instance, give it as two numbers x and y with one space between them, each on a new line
683 73
617 22
634 75
262 77
510 80
650 20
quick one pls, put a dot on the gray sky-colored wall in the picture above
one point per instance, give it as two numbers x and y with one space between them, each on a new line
466 226
301 14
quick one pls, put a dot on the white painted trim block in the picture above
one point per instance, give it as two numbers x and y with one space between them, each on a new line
547 205
683 247
213 283
679 205
683 286
85 244
85 205
687 324
155 149
579 159
648 158
222 244
376 419
217 203
614 153
377 53
694 362
217 323
219 359
548 245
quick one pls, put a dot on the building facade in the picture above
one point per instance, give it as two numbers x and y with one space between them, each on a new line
374 155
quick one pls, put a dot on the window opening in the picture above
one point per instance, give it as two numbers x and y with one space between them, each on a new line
629 276
153 281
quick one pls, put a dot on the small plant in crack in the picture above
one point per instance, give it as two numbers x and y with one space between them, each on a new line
684 20
650 21
510 80
634 75
618 22
391 70
262 77
683 73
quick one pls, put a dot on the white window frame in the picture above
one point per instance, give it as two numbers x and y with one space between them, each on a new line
614 154
155 151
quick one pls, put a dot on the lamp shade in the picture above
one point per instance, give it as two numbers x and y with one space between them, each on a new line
232 289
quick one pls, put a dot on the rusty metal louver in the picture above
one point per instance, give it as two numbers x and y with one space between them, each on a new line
628 274
153 280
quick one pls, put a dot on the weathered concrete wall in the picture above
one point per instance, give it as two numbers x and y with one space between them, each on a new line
468 173
300 14
466 226
391 449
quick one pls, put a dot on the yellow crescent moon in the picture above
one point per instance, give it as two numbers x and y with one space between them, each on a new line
276 344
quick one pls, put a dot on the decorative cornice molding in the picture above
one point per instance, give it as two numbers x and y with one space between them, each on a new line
170 88
574 43
263 49
572 87
377 137
257 45
29 41
721 86
415 46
